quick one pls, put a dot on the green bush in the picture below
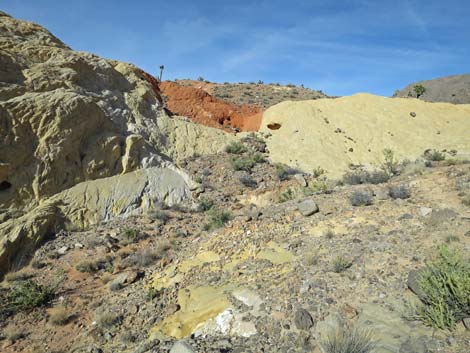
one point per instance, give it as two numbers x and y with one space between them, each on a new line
445 287
287 195
434 156
217 218
235 148
29 294
246 162
341 264
348 339
419 90
390 164
205 204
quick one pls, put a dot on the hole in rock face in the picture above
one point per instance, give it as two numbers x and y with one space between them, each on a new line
5 185
274 126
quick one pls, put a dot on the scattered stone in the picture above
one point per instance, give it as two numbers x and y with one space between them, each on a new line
300 180
413 114
62 250
182 347
424 211
303 320
307 207
413 282
466 323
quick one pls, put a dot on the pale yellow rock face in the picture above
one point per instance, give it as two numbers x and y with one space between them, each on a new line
365 125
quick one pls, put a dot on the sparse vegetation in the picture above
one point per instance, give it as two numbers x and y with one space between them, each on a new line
217 219
341 264
205 204
287 195
59 315
107 319
364 177
361 198
90 266
348 339
236 148
29 294
399 192
246 162
445 285
434 155
282 171
390 164
248 181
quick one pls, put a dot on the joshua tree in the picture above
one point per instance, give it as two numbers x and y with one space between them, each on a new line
161 72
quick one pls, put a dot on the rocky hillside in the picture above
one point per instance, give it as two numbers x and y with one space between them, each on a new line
258 94
451 89
272 261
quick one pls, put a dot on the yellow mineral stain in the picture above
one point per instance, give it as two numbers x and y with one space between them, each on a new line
276 254
198 305
200 259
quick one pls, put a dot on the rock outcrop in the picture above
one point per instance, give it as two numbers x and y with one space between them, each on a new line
82 139
452 89
335 133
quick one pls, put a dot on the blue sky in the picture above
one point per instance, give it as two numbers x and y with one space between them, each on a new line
339 46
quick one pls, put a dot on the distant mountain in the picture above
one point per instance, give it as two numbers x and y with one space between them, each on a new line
453 89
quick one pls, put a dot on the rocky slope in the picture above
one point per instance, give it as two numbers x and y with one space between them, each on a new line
452 89
268 281
336 133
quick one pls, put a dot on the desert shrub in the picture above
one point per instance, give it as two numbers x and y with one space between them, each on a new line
217 219
131 235
354 177
29 294
235 148
246 162
90 266
14 333
107 319
282 171
205 204
445 287
59 315
247 181
341 264
21 275
399 192
161 215
318 171
361 198
452 238
390 164
287 195
348 339
434 155
321 186
377 177
329 234
142 258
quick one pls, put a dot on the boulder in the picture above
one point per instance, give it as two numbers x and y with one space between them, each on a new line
307 207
